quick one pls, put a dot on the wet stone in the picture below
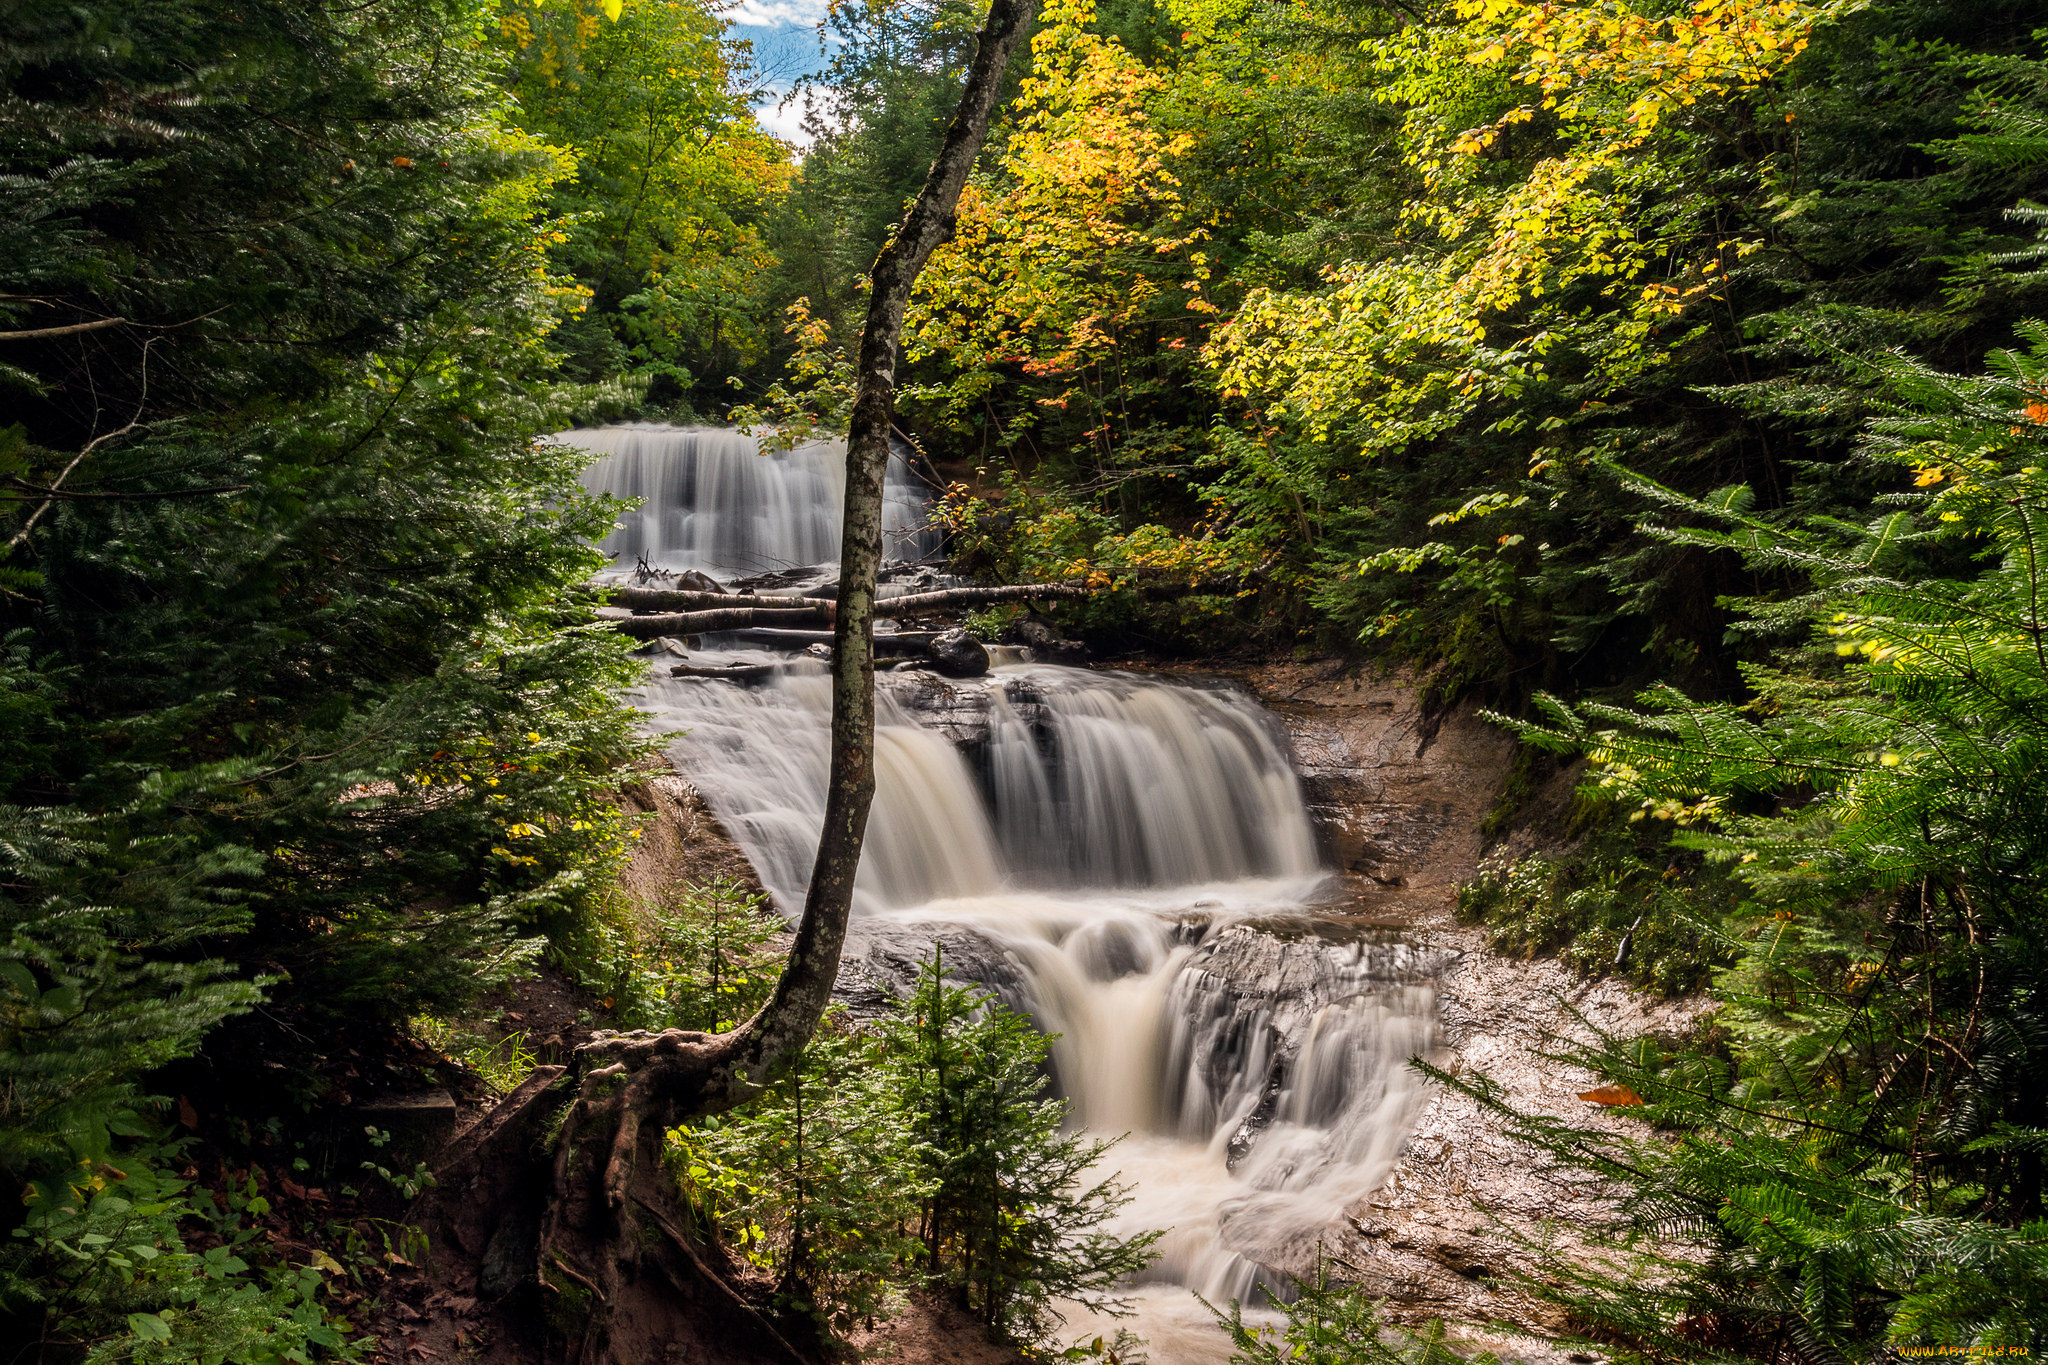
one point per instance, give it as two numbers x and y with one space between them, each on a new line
957 654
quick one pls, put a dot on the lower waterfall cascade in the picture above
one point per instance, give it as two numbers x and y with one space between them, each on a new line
1127 860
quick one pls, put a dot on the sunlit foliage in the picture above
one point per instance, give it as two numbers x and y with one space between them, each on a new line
661 220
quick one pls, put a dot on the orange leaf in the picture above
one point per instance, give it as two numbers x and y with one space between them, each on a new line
1611 1095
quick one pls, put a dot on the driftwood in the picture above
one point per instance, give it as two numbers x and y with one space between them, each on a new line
692 613
608 1208
730 672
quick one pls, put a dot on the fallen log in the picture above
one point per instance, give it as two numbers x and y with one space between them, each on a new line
691 613
725 618
912 642
945 599
688 599
730 672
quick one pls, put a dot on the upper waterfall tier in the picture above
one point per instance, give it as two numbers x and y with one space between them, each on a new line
1065 780
712 501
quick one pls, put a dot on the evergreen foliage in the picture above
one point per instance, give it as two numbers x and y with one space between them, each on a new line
297 706
1858 1162
1016 1214
921 1151
889 88
816 1180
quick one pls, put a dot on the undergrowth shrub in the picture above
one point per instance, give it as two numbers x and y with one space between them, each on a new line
702 956
111 1263
921 1150
501 1061
1610 905
1330 1322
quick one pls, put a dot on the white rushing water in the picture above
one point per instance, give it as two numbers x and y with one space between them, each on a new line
1107 847
712 502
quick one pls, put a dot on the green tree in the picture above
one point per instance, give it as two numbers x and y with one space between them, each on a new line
816 1179
1016 1211
661 220
304 707
893 80
1858 1163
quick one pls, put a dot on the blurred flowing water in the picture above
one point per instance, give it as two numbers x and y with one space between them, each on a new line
1128 860
713 502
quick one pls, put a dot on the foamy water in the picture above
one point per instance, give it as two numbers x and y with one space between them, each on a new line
1111 840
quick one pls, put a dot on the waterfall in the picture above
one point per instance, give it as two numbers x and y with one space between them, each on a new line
1110 854
1070 779
713 502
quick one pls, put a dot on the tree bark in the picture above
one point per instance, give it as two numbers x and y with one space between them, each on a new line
805 988
608 1249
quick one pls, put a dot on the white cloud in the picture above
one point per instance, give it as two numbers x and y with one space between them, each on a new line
784 121
776 13
785 117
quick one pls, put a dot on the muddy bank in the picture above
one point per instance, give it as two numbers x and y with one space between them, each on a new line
680 843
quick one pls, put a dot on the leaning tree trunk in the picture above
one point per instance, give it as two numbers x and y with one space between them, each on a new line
595 1227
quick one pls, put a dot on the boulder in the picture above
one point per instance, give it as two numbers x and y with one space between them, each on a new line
957 654
1046 644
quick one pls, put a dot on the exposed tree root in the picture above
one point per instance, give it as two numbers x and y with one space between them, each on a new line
682 1244
562 1198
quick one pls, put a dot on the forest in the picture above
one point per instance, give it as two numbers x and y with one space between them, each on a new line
1659 386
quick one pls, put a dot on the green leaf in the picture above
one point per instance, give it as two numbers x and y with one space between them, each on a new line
19 979
149 1327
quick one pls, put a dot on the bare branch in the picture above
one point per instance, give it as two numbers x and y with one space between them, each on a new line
56 485
72 329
